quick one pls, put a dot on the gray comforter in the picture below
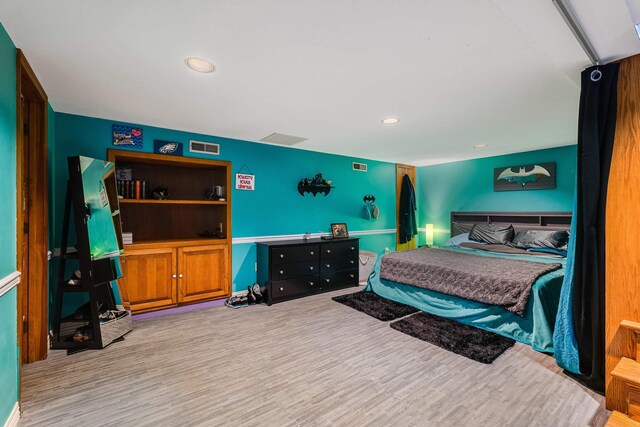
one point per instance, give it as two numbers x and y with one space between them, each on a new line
490 280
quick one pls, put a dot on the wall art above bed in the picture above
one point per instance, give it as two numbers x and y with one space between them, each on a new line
538 176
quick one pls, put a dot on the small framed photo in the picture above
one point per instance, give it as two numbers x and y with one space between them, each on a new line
339 230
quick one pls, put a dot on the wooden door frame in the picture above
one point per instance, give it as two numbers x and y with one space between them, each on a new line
34 283
413 243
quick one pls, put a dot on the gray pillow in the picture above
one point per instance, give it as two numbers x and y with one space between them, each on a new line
540 239
492 233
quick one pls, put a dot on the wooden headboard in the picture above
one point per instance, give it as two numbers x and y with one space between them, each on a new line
461 222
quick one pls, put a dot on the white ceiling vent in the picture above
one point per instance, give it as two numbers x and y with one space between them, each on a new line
204 147
362 167
282 139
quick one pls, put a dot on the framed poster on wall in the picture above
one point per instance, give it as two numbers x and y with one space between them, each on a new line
538 176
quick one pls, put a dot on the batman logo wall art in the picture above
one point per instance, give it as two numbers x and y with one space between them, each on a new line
538 176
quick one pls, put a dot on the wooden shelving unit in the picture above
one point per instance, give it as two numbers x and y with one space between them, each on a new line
168 263
172 202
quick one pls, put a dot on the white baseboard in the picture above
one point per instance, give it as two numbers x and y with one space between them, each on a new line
14 417
9 282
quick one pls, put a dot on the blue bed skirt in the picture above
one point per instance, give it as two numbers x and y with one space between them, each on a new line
535 328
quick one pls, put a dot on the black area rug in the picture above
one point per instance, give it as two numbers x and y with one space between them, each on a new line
467 341
375 306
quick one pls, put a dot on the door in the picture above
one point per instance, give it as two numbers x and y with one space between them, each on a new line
401 171
150 279
202 272
32 213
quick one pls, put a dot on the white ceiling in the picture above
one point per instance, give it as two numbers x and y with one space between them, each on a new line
456 72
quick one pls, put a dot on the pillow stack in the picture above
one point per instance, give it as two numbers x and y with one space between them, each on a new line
532 240
495 234
554 242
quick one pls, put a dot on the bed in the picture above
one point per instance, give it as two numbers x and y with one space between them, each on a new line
532 323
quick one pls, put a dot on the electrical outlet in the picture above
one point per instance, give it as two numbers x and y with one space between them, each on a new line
386 250
255 266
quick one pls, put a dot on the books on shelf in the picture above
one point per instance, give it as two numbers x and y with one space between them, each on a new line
132 188
127 237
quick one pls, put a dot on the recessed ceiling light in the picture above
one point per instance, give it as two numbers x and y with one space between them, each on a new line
480 146
390 121
200 65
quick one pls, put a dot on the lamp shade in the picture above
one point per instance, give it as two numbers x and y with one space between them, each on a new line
428 234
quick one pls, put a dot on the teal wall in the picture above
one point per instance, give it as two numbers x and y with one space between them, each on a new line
274 208
8 327
468 186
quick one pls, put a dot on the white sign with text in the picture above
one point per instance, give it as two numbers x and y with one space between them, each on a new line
245 182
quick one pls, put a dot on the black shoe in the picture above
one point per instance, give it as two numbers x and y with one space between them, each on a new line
255 289
250 296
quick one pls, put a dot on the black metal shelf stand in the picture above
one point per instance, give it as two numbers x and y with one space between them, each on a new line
100 293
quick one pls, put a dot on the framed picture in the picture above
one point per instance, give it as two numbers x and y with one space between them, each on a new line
538 176
127 136
339 230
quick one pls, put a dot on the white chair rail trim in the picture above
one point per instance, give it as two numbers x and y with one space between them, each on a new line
257 239
9 282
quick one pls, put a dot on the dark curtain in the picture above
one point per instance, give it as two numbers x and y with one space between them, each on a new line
408 226
596 129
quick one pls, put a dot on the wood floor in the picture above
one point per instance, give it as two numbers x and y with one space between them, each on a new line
306 362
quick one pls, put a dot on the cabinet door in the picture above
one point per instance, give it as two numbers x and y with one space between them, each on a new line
203 272
149 278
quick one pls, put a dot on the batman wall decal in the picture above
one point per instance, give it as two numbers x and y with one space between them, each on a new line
527 177
522 175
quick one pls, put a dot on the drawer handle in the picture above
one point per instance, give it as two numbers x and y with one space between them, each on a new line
311 253
328 280
352 261
310 268
180 275
281 272
174 276
310 283
352 276
281 288
328 265
328 251
352 247
281 255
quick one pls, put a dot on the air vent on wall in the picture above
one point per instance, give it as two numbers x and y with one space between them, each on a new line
362 167
204 147
282 139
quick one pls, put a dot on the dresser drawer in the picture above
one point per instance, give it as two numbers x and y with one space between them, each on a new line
296 269
283 255
331 265
339 279
282 289
339 250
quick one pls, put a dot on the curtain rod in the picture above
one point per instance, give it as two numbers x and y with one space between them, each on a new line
567 12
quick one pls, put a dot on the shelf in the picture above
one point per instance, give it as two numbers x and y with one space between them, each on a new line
78 288
314 189
136 157
173 242
171 202
71 255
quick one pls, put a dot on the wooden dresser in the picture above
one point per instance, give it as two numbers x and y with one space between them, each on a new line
296 268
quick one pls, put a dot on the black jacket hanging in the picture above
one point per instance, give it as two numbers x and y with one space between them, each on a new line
407 219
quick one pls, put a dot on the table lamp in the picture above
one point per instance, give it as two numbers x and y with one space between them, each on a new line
428 234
